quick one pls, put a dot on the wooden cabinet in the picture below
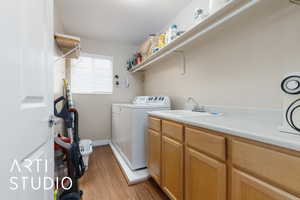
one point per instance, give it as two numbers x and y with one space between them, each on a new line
154 155
246 187
205 177
172 168
193 163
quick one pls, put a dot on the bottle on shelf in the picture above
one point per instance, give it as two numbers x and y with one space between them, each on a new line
171 33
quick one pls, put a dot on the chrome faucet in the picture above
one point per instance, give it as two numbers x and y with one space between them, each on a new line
196 107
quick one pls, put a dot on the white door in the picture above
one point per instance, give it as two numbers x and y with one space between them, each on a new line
26 80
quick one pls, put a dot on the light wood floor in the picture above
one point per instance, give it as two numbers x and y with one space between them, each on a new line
105 181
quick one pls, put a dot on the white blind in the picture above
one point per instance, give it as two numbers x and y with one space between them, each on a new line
92 74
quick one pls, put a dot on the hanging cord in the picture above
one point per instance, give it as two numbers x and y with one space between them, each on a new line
295 2
289 115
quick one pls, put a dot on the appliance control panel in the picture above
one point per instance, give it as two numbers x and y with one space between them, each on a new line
153 100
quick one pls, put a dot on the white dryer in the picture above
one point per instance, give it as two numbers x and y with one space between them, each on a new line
129 126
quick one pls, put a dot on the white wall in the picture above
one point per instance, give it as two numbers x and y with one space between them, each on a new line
59 65
240 64
95 110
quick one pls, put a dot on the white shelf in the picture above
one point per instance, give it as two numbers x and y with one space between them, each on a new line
229 10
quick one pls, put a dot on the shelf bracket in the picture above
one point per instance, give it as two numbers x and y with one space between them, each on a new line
77 47
181 53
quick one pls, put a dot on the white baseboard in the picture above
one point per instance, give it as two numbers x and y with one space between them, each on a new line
132 177
97 143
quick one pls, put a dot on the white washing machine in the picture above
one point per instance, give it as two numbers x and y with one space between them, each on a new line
129 126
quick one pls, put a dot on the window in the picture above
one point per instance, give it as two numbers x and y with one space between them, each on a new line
92 74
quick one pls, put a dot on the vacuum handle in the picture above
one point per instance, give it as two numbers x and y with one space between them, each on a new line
56 101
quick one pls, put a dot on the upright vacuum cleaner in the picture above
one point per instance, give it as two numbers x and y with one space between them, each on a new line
75 164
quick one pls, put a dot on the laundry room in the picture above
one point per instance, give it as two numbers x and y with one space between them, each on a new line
150 99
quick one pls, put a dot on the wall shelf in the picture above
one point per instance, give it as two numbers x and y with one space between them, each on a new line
229 10
69 45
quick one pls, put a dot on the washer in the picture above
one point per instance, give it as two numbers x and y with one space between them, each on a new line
129 125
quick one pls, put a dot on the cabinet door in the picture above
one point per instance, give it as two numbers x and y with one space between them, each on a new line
246 187
154 154
172 168
205 177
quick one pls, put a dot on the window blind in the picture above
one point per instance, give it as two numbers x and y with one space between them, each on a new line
92 74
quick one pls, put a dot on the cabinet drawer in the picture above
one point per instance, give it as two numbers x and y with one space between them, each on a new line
275 167
172 130
205 142
154 123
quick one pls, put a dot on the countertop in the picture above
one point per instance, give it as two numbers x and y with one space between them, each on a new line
254 124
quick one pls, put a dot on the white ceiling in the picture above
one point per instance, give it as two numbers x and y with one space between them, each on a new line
129 21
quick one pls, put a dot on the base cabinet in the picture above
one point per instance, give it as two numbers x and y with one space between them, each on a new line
205 177
246 187
154 160
192 163
172 168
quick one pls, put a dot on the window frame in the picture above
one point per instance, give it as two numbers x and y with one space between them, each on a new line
83 54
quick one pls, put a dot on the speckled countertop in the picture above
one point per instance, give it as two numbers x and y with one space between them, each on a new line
258 125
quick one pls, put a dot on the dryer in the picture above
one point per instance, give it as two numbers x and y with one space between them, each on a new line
129 126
